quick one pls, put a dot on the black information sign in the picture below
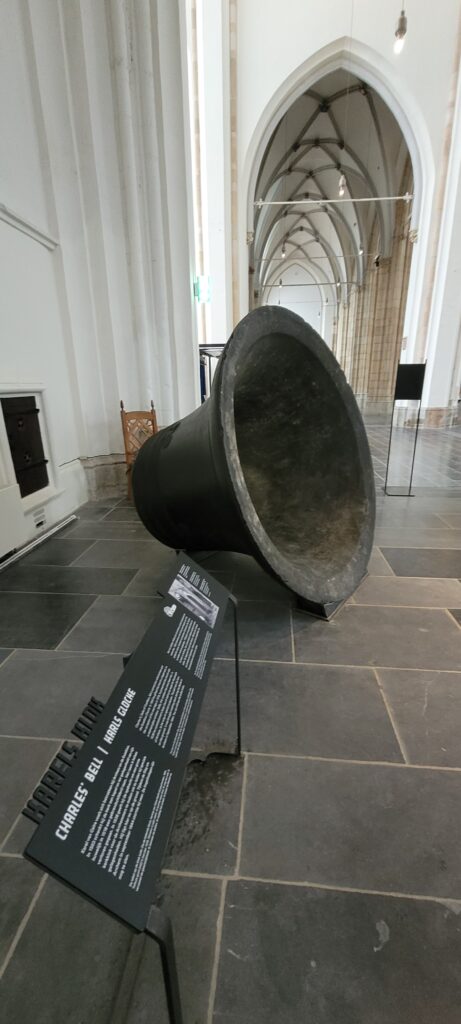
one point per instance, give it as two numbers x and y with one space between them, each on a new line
410 381
106 829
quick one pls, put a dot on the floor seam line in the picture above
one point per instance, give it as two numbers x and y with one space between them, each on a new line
217 953
90 546
392 721
242 814
293 648
326 886
69 631
355 761
23 924
327 664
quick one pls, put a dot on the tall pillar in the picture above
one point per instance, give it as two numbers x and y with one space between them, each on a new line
443 374
112 95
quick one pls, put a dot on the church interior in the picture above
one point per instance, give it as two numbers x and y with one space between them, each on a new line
169 168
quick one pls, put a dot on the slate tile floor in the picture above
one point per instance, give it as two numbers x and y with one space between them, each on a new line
437 459
316 880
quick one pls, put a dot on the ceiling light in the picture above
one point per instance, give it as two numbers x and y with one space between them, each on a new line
341 184
284 252
400 33
338 284
361 250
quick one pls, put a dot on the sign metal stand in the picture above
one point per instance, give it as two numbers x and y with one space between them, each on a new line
409 385
105 810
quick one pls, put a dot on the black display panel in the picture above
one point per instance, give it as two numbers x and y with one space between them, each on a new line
106 830
410 381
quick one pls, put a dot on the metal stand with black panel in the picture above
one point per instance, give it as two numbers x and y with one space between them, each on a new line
409 385
105 810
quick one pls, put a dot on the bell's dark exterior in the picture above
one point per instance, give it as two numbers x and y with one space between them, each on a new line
275 464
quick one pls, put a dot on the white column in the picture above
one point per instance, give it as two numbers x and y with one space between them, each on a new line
443 364
214 121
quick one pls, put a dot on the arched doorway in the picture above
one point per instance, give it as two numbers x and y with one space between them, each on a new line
329 241
368 70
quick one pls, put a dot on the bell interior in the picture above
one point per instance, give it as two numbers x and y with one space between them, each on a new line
299 456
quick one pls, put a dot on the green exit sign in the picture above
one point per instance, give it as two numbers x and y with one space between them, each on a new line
202 288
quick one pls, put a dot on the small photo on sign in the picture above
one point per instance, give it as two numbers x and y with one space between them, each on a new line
194 601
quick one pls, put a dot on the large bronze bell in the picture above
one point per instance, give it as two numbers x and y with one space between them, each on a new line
275 464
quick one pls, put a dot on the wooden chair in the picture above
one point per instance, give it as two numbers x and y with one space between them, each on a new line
137 427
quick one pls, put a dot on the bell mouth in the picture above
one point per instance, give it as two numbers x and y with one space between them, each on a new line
298 454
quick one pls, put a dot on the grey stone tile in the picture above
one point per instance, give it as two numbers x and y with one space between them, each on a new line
64 579
20 835
123 513
193 905
68 961
18 884
424 562
42 693
205 833
413 538
225 561
413 517
426 707
377 565
264 632
57 552
252 583
362 826
398 590
452 519
22 764
102 530
93 511
299 709
113 624
217 725
39 620
292 955
131 554
146 581
436 501
390 637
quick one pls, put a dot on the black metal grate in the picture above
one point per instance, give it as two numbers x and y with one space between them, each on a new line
26 446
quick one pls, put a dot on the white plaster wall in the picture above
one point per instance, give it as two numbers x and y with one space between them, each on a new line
95 155
21 172
31 329
33 321
214 113
271 47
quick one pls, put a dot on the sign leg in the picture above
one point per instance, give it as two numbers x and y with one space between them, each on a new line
237 675
159 928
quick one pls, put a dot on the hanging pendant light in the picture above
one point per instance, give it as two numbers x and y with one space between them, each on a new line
341 184
400 33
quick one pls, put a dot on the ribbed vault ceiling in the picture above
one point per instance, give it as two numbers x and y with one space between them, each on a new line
340 126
